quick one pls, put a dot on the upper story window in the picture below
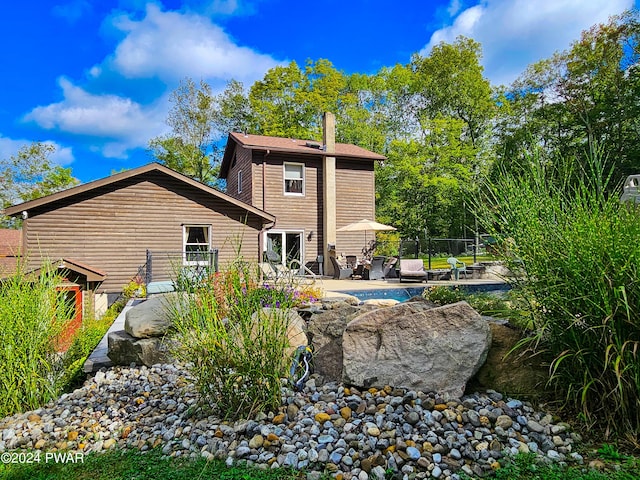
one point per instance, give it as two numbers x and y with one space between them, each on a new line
294 178
240 181
197 243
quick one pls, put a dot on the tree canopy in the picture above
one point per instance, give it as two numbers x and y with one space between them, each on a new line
30 174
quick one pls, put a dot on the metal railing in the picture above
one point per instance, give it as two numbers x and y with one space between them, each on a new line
170 265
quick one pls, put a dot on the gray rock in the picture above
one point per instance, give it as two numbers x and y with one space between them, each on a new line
415 346
124 349
325 332
150 318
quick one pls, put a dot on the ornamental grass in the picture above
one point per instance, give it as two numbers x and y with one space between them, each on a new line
574 251
236 355
33 315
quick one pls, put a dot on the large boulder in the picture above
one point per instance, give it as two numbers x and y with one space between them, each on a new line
123 349
296 327
415 346
325 334
148 319
514 371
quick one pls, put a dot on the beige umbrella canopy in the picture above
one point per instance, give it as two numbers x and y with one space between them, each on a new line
365 226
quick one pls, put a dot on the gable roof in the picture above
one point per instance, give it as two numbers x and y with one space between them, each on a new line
291 145
92 274
118 177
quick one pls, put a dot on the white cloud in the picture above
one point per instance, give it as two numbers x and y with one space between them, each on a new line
225 7
516 33
62 156
157 49
127 123
454 7
172 45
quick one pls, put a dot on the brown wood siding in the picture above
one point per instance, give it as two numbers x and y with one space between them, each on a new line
111 231
243 164
355 200
295 212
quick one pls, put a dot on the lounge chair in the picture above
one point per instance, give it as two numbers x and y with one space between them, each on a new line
412 269
340 273
457 267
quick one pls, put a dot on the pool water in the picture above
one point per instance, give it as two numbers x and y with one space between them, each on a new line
400 294
404 294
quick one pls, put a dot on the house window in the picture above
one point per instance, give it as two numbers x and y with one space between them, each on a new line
240 181
294 178
197 244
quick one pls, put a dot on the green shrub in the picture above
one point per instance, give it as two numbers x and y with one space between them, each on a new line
575 252
482 302
236 356
32 315
443 295
85 341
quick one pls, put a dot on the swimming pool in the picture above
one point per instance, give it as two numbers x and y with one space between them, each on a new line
400 294
404 294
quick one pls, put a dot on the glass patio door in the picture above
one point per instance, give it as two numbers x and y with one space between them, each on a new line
288 245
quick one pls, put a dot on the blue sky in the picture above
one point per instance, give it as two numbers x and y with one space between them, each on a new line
92 77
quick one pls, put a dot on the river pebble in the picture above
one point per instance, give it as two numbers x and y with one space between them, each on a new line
352 433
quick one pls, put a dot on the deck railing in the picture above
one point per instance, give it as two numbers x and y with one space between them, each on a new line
171 265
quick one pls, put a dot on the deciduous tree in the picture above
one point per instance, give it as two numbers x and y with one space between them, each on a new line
30 174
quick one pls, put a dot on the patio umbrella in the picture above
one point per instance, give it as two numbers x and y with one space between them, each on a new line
365 226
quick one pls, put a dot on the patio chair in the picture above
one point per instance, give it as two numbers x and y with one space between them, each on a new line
352 261
339 272
389 268
412 269
272 267
457 267
374 272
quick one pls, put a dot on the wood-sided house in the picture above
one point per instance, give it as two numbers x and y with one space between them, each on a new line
107 226
312 189
283 194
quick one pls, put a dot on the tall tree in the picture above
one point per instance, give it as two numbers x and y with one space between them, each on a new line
192 146
585 96
30 174
442 147
290 101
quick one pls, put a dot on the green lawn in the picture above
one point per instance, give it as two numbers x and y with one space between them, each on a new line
441 262
134 465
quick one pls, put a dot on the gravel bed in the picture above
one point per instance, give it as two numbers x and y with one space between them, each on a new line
355 434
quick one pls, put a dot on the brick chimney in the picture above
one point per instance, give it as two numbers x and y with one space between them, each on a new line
329 188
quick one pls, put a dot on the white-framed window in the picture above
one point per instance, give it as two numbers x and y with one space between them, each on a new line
240 181
197 244
294 179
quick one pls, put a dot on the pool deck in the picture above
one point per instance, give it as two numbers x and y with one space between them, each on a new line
330 285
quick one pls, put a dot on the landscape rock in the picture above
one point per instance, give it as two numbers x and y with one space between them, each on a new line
123 349
148 319
415 346
515 372
325 334
296 327
142 408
